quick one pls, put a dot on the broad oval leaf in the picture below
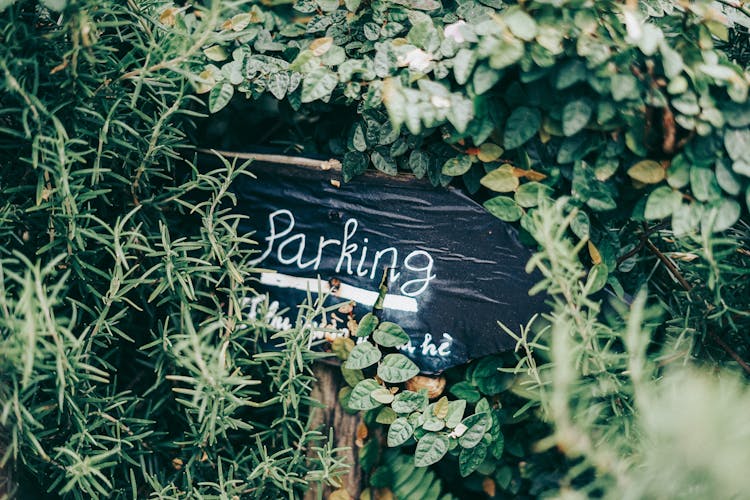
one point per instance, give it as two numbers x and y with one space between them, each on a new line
399 432
471 458
504 208
318 84
363 355
396 368
432 423
409 401
575 116
430 449
476 426
521 126
360 398
502 179
390 335
647 172
662 202
367 324
456 166
455 413
489 152
219 97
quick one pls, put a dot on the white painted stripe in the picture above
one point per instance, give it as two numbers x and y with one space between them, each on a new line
348 292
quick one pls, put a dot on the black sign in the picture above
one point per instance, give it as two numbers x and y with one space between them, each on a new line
455 269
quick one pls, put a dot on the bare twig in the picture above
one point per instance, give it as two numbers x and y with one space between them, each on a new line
279 159
730 351
670 266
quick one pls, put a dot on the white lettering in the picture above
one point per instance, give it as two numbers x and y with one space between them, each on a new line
427 269
347 250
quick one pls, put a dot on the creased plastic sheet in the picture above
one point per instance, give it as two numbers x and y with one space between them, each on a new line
457 269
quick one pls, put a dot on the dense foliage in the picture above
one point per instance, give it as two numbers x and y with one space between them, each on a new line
615 134
127 368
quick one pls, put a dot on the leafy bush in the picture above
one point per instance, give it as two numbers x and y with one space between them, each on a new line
126 364
127 367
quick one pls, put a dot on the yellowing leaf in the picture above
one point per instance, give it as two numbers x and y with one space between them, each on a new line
489 152
596 257
320 46
167 17
215 53
440 410
501 179
647 172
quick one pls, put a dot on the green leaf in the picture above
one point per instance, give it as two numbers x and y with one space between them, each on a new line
465 390
625 86
386 416
363 355
570 73
726 214
409 401
471 458
367 324
419 162
703 184
399 432
678 173
355 163
575 116
647 172
433 423
396 368
460 113
581 225
476 426
55 5
390 335
662 202
360 398
352 377
456 166
352 5
426 5
384 162
327 5
430 449
531 193
597 278
486 375
521 126
318 84
737 142
726 178
463 64
498 445
508 52
219 97
520 23
215 53
455 413
359 142
502 179
504 208
484 78
278 84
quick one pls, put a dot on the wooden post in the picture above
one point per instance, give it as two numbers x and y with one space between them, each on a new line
344 425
